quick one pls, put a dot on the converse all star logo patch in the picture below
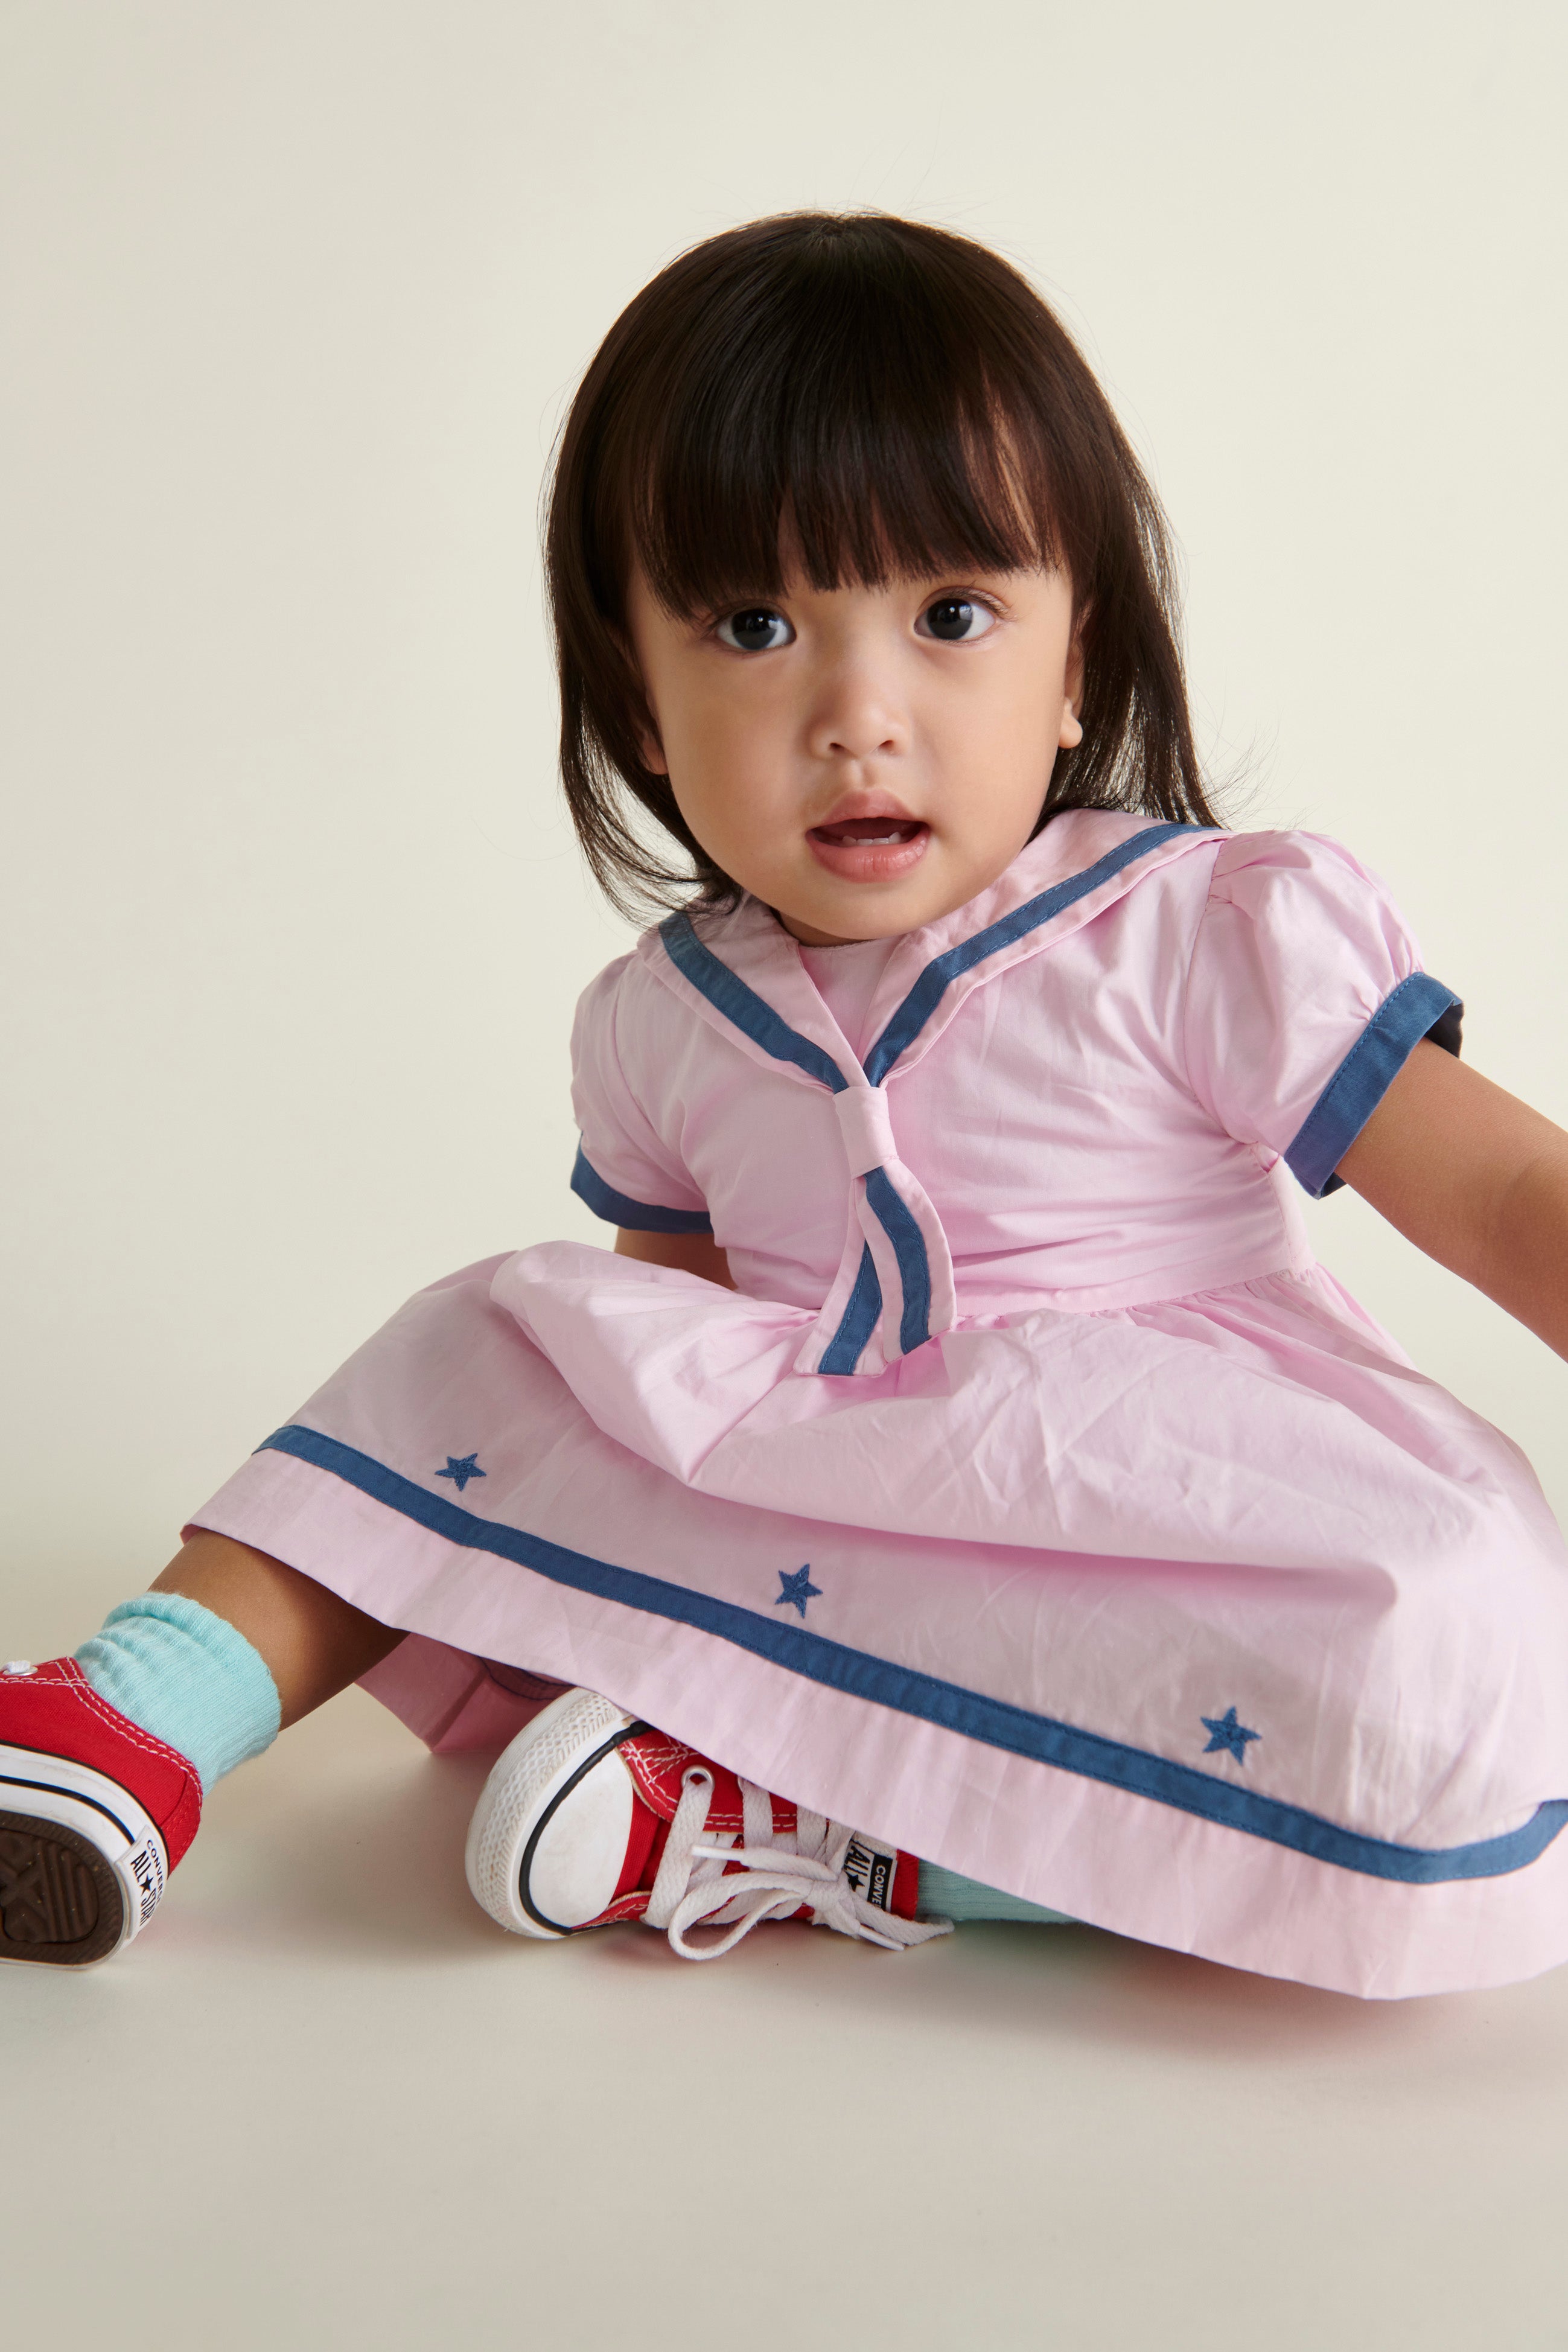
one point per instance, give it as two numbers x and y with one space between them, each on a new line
870 1869
146 1867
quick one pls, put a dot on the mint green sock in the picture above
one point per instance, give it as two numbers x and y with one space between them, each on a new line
186 1676
945 1894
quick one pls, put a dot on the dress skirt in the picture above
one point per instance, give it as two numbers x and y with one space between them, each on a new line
1211 1622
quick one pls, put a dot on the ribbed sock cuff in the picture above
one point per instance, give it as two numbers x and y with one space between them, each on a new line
946 1894
186 1676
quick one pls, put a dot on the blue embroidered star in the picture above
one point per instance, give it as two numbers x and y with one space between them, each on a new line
1227 1733
461 1472
797 1589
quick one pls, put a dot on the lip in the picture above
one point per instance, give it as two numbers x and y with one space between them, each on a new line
899 850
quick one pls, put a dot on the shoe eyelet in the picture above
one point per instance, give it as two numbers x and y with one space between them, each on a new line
20 1668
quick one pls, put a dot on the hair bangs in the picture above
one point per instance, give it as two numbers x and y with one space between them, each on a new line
860 441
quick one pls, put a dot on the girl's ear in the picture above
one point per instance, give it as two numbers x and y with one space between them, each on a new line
649 746
1071 734
650 751
640 708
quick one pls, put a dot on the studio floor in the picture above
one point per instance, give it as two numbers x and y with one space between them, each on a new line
326 2103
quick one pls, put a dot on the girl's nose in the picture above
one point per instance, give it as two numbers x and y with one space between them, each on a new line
857 716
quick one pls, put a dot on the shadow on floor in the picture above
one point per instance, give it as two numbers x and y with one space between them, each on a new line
351 1849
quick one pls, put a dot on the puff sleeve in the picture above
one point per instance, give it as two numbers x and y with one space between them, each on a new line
625 1171
1305 998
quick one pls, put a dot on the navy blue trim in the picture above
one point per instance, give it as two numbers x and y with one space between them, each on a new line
857 1321
743 1006
897 1220
637 1216
905 1026
1419 1007
992 1721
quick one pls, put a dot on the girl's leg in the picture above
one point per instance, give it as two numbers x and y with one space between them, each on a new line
313 1643
105 1757
226 1649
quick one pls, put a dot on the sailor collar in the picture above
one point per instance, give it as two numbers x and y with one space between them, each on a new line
741 972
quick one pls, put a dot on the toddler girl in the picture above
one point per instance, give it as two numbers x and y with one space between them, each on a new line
961 1455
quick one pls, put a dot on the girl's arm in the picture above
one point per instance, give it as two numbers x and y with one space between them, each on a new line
686 1252
1475 1178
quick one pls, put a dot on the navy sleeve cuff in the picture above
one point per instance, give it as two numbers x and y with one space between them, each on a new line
1419 1007
637 1216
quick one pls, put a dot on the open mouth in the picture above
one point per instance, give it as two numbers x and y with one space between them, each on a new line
877 848
869 832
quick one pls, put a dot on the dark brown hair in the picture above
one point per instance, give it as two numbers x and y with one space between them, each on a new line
908 404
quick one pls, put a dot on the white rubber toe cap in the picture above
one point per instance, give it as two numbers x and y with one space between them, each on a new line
549 1836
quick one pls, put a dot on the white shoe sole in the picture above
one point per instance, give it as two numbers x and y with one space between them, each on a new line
82 1868
550 1893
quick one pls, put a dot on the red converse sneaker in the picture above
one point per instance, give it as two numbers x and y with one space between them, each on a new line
94 1814
591 1816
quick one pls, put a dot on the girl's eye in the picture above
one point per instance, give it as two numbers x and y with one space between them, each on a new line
954 620
755 629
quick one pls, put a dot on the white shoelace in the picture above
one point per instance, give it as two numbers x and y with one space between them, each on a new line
695 1883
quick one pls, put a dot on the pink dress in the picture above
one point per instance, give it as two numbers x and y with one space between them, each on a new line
1034 1499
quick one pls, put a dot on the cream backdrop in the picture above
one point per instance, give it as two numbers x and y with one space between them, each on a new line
294 296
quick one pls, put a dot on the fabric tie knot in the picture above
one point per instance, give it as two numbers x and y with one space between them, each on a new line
865 1124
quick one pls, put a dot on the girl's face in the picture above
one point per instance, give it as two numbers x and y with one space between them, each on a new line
864 760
